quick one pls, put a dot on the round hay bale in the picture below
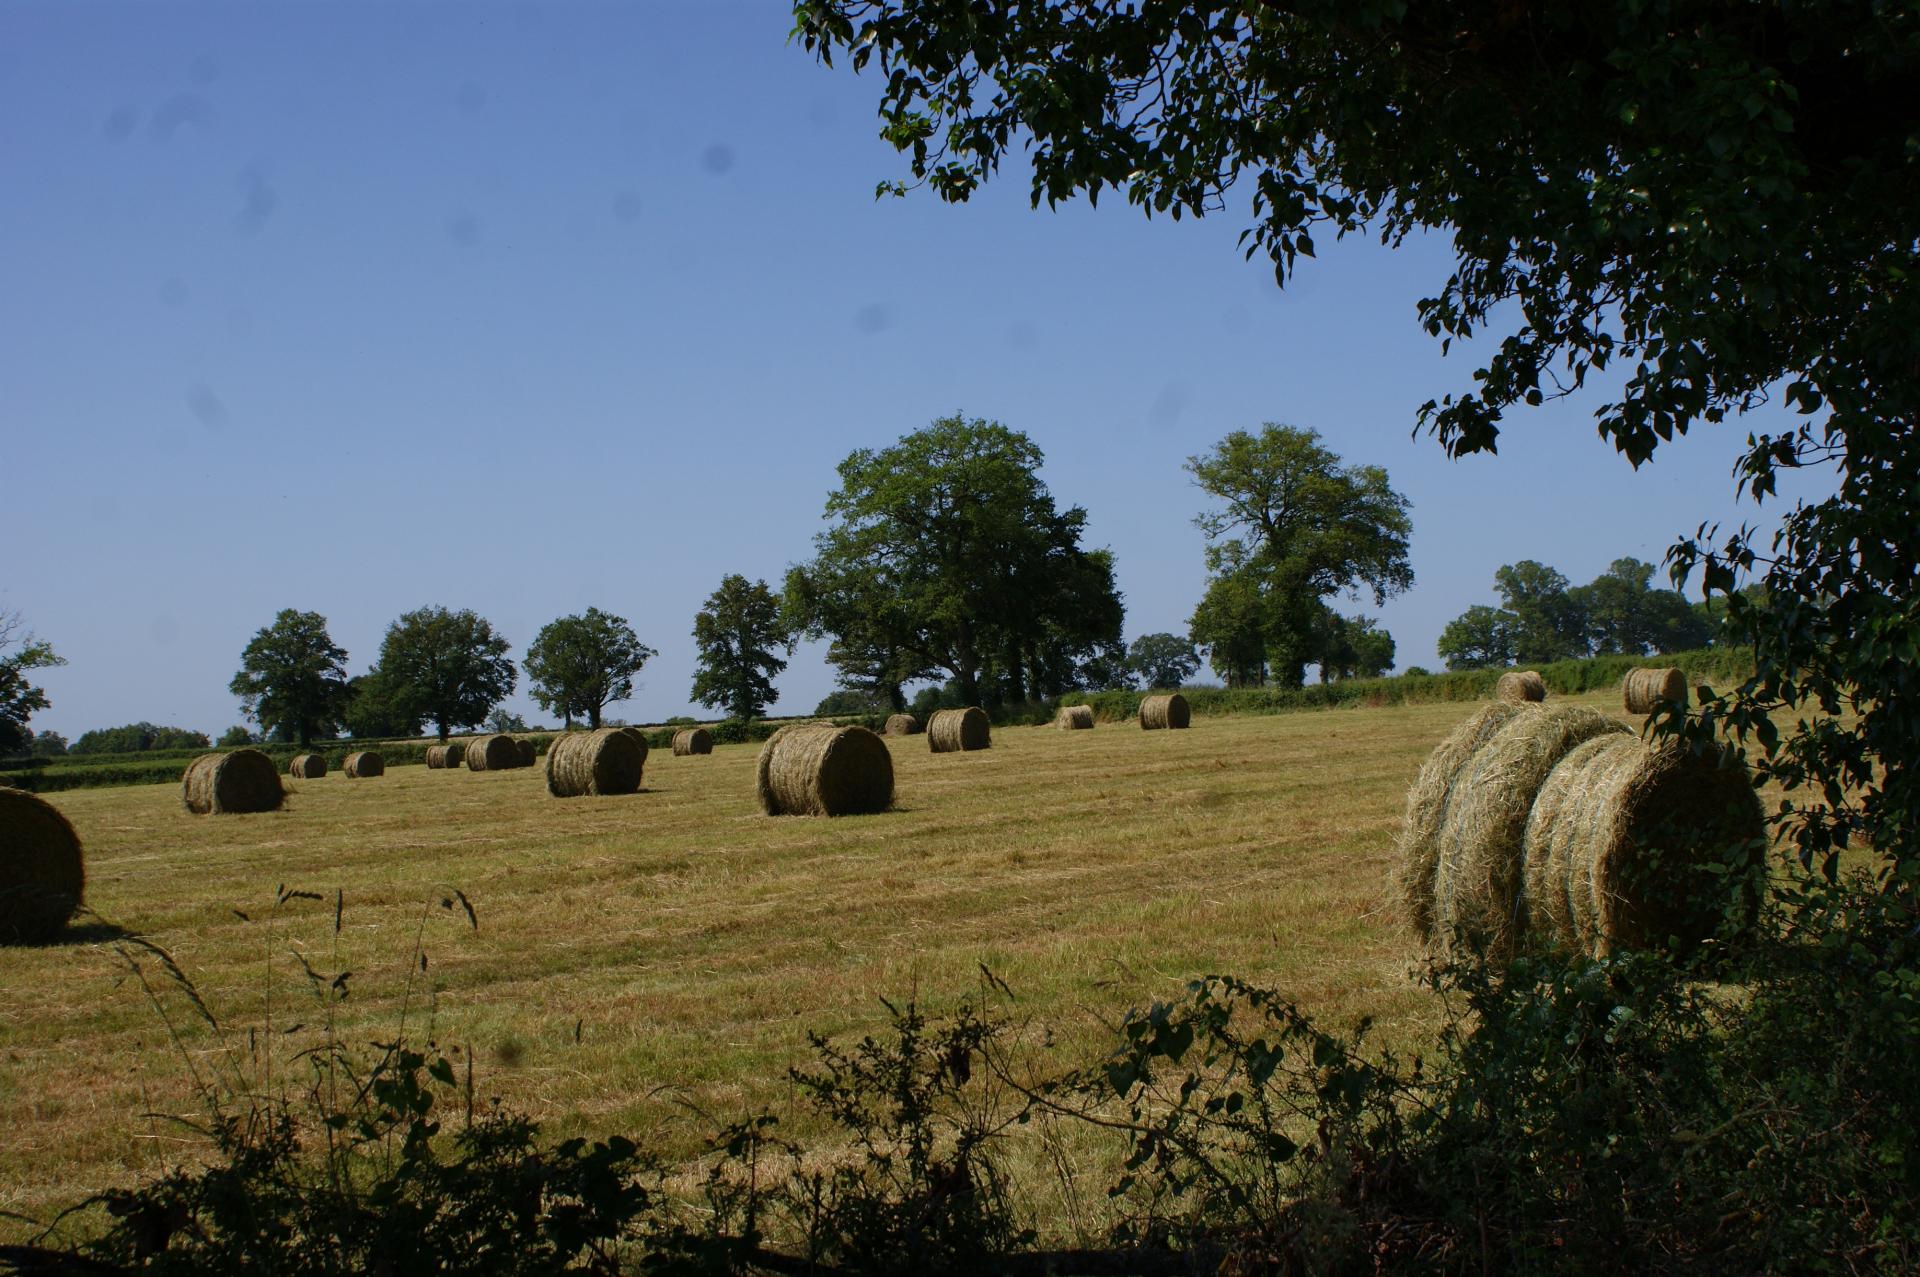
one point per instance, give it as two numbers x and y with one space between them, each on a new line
494 753
42 873
601 762
239 780
950 730
692 740
1427 810
1481 864
307 766
1073 718
436 758
1634 845
1645 690
1169 710
1517 687
817 769
364 764
903 725
525 752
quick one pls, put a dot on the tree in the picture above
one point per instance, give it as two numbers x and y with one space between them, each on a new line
137 738
948 556
578 665
1548 624
737 634
1478 638
501 720
293 678
847 703
20 652
48 745
1297 529
378 710
1162 660
1721 204
447 668
237 735
1351 647
1624 614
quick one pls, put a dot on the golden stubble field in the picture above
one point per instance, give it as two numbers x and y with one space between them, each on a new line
638 955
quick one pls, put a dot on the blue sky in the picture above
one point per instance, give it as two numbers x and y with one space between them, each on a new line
360 308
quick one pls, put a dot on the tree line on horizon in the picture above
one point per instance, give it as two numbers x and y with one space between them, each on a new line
946 564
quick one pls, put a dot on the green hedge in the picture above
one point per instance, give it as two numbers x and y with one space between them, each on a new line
1567 678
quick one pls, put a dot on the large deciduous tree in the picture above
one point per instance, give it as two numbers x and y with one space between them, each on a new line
1543 619
293 678
1296 529
947 556
578 665
20 652
447 668
739 636
1162 660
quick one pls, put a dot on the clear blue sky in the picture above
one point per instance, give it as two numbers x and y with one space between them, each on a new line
359 308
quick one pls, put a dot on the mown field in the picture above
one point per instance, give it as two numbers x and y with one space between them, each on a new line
638 957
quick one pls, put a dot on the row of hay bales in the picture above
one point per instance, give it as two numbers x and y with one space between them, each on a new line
1642 690
1560 826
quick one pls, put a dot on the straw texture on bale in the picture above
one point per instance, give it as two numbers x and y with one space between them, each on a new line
1644 690
638 737
491 753
692 740
1517 687
437 759
364 764
1631 845
1427 810
1074 718
42 874
601 762
525 752
903 725
817 769
1169 710
307 766
240 780
959 729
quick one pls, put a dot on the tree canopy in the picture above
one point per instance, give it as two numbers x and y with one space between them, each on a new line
948 556
1543 618
293 678
739 635
1162 660
1297 529
448 668
137 738
20 652
578 665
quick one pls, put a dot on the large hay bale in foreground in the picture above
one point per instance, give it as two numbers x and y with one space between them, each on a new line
1518 687
364 764
525 752
601 762
1169 710
307 766
950 730
1074 718
42 873
903 725
493 753
692 740
1645 690
239 780
817 769
1632 845
1479 868
1427 810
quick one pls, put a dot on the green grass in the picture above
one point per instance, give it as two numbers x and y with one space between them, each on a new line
676 945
